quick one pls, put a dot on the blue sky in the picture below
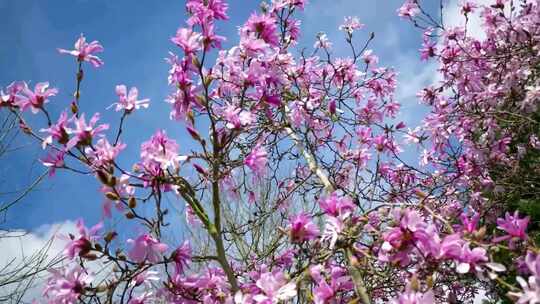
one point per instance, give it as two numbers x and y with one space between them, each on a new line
136 35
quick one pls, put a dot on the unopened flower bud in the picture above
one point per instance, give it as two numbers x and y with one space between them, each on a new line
200 169
332 107
193 132
110 236
98 247
112 196
415 285
24 127
103 176
74 107
480 233
102 288
132 202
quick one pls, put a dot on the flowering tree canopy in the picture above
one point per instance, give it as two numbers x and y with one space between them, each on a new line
297 191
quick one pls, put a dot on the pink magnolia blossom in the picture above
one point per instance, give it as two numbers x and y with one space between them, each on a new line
514 226
468 7
333 227
83 133
128 101
470 223
58 131
103 152
412 233
336 205
256 160
146 249
409 9
210 38
53 160
264 27
301 228
451 246
160 153
350 25
534 142
280 4
205 12
82 244
188 40
322 42
530 293
237 117
470 260
145 278
37 98
123 188
414 297
182 257
85 51
66 284
12 94
429 48
328 291
274 288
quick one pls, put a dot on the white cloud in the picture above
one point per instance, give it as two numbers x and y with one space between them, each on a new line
39 248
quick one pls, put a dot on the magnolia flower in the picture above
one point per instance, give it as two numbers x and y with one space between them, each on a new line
301 228
322 42
103 153
530 293
256 160
85 132
336 205
279 4
514 227
129 102
467 7
182 256
210 38
237 117
11 95
203 12
263 26
58 131
409 9
274 288
37 98
534 142
414 297
145 278
84 51
123 188
350 25
160 152
469 259
146 249
470 223
81 245
332 229
53 160
66 284
187 40
339 281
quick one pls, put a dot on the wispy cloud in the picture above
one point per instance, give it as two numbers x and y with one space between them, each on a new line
38 250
